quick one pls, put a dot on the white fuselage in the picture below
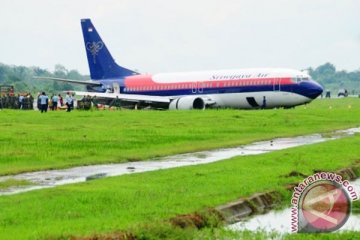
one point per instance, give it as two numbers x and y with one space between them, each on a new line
244 88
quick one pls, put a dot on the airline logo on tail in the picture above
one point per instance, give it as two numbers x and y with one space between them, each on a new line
94 48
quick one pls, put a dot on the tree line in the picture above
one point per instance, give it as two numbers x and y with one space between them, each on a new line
333 80
22 78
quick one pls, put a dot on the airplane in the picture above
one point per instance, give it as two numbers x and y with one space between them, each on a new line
252 88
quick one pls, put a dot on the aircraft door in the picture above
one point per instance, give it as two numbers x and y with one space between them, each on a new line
194 87
116 87
197 87
276 84
200 87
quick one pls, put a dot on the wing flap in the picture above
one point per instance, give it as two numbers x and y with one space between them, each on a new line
125 97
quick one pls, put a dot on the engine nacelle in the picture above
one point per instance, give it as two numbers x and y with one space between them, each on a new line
187 103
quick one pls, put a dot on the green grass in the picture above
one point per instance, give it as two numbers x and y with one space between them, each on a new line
13 183
132 201
32 141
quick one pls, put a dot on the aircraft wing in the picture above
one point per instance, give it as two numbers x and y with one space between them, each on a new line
129 99
85 82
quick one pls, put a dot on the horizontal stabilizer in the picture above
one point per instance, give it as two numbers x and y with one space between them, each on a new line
84 82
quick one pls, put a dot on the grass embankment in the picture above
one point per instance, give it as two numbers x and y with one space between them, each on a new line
13 183
133 201
32 141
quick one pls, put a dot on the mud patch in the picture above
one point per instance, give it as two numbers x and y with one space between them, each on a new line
295 174
199 220
189 220
352 172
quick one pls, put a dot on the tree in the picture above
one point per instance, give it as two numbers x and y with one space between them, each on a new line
2 73
331 79
60 71
21 87
326 69
73 74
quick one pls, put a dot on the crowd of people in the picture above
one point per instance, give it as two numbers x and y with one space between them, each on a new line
55 102
21 101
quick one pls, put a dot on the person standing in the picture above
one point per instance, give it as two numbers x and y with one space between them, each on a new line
11 91
55 100
60 101
72 100
50 105
264 103
21 101
68 100
30 101
43 99
38 101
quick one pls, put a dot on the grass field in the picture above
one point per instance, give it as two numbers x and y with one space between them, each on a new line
139 202
132 201
32 141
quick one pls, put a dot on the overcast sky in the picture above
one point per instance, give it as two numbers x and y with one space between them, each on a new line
184 35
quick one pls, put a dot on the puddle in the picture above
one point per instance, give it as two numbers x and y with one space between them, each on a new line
282 225
52 178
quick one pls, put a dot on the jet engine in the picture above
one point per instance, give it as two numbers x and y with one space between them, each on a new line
187 103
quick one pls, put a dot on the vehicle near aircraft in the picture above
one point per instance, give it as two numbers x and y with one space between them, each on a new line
238 88
343 92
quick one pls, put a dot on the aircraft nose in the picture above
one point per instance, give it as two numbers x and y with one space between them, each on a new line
314 89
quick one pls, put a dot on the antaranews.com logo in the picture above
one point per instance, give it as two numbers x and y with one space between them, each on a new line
321 203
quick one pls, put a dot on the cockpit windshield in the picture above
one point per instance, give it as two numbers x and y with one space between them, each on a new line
301 78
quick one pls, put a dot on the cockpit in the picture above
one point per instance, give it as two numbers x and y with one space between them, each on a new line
299 79
306 86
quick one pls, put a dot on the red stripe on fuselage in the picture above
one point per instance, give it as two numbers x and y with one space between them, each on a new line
147 81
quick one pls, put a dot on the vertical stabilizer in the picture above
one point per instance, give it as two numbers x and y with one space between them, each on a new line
101 63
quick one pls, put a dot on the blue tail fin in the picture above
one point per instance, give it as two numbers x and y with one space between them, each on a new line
101 63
